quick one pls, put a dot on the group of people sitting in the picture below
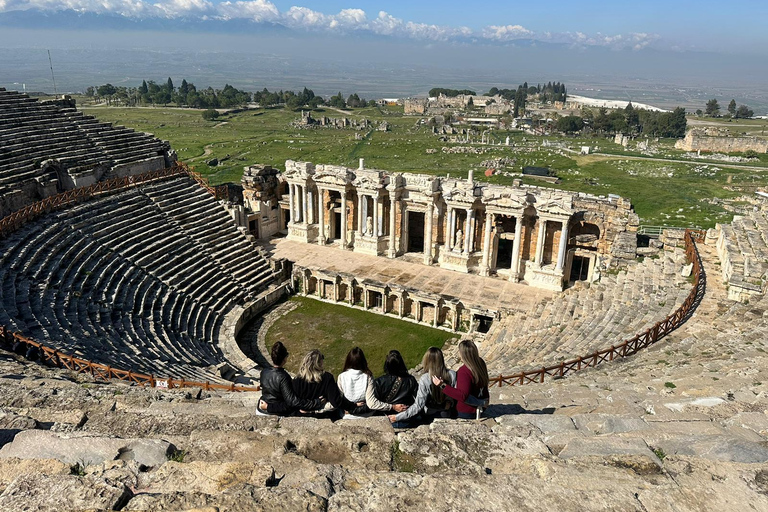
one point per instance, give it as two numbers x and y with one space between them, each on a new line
439 393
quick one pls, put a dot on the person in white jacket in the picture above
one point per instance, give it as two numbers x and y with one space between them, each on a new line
356 384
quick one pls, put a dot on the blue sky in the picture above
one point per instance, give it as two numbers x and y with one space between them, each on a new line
731 27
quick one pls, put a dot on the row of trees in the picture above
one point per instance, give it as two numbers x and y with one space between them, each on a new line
187 95
740 112
544 93
153 93
629 121
451 93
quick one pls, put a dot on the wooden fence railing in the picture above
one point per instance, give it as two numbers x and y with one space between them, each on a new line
19 343
34 350
632 345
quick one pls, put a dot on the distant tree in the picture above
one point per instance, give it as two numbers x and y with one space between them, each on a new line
106 91
316 102
90 91
337 101
210 114
143 89
732 107
677 123
744 112
169 85
354 101
713 108
293 102
632 118
699 112
570 124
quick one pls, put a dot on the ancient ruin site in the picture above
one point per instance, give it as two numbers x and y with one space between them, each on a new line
628 362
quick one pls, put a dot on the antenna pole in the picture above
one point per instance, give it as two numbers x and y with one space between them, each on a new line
52 77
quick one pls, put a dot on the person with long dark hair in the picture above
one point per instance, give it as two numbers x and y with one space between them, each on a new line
430 401
277 396
396 386
356 384
471 382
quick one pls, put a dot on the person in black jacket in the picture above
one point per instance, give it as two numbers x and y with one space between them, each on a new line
396 386
277 394
312 381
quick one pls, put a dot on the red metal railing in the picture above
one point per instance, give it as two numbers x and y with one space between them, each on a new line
632 345
17 219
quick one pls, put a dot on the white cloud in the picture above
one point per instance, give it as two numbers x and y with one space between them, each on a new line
257 10
345 21
506 32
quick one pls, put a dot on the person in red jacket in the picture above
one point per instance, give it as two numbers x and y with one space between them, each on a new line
471 381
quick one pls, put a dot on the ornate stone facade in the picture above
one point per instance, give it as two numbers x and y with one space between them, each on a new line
544 237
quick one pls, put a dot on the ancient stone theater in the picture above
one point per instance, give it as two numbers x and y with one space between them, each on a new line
544 237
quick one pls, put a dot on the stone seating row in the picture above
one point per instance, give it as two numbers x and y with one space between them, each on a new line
32 132
120 280
587 318
65 310
743 252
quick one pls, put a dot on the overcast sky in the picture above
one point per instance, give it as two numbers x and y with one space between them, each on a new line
737 26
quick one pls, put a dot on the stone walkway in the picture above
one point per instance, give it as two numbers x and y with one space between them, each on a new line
488 292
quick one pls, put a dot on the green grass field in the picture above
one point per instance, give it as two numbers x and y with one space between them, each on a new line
664 187
334 330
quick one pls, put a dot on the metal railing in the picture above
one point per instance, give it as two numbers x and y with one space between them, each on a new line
632 345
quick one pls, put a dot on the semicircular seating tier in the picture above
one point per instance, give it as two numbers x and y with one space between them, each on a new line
587 318
48 147
140 280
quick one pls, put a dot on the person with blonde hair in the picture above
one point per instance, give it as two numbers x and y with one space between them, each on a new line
313 382
430 402
471 382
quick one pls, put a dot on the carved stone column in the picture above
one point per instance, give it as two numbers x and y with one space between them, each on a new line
485 269
428 235
363 201
515 274
451 227
540 242
358 219
563 246
378 209
392 221
310 207
321 216
467 234
305 199
344 219
291 204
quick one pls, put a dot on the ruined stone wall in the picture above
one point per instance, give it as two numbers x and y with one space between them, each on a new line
415 106
718 142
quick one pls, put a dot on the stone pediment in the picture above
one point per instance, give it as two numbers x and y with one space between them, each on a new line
421 183
331 179
459 193
332 175
553 207
505 198
370 180
298 170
